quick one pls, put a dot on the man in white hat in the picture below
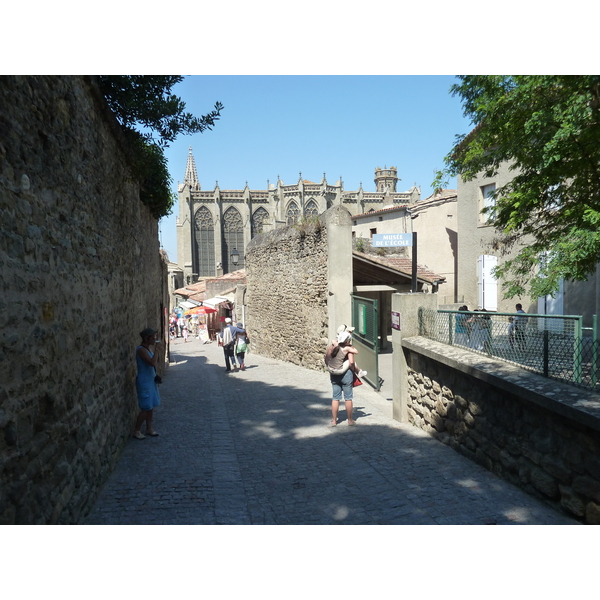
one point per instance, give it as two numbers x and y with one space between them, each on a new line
227 337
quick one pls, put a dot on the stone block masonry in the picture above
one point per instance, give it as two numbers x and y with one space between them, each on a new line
80 276
299 281
541 435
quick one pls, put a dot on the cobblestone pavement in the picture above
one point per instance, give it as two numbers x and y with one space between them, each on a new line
255 447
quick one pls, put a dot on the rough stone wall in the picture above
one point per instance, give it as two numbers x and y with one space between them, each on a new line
286 294
545 453
80 276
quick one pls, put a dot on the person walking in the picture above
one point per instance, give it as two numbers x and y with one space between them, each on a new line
146 384
519 323
185 330
460 328
338 354
241 345
227 340
477 330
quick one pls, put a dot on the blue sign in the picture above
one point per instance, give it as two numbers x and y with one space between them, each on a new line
381 240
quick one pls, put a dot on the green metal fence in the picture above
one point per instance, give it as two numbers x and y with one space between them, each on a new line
552 345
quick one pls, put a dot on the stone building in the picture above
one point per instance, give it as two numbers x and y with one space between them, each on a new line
215 226
434 220
477 257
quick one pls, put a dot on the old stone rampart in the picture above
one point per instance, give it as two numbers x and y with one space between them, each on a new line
541 435
80 276
299 281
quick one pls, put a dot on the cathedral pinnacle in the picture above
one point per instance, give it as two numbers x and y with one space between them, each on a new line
191 176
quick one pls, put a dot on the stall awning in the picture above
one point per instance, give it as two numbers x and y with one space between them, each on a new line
214 302
187 304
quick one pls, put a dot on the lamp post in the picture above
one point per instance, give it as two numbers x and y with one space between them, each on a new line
235 257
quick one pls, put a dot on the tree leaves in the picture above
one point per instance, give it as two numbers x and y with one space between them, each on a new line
152 117
548 128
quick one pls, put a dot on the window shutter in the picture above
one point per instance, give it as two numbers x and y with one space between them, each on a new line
487 285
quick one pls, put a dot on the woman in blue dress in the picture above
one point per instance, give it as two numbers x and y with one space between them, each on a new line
147 389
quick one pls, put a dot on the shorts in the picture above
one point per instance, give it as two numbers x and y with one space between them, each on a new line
343 383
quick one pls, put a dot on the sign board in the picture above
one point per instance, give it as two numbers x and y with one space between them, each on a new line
396 320
381 240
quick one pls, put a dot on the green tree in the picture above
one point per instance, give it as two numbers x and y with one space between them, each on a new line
547 128
152 117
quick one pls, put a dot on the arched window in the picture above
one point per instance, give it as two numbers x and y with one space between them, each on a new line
259 218
204 259
233 238
293 213
311 209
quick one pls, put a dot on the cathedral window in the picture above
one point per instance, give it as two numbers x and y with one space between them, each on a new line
233 238
292 214
259 218
204 248
311 209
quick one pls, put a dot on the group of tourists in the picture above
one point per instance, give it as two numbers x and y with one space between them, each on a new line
233 339
474 329
340 360
183 326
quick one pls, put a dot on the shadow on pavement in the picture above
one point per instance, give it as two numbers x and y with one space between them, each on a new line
255 447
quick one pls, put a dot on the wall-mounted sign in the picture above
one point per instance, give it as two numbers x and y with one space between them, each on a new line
381 240
396 320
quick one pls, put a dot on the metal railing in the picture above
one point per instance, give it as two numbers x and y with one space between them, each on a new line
552 345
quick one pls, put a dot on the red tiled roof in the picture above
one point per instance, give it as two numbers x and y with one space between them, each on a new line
443 195
402 264
190 291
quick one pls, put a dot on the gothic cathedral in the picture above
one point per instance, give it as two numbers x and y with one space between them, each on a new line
214 226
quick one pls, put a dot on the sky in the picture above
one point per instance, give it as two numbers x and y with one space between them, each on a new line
341 125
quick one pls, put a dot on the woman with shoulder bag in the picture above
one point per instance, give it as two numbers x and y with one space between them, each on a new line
241 345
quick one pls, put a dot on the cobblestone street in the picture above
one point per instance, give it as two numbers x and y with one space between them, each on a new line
255 447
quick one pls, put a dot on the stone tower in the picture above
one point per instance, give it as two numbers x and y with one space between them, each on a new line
386 179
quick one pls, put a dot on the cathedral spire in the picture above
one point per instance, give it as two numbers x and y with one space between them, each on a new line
191 176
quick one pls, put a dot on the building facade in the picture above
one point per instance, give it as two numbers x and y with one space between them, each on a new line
215 226
477 257
434 220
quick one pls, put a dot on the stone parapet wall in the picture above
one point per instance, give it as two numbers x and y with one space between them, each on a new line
286 294
80 276
538 434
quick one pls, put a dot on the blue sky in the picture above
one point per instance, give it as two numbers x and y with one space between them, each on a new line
343 126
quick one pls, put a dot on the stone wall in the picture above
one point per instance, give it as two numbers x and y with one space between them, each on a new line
536 433
299 280
80 276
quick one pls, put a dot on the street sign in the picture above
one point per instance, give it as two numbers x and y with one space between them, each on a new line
381 240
